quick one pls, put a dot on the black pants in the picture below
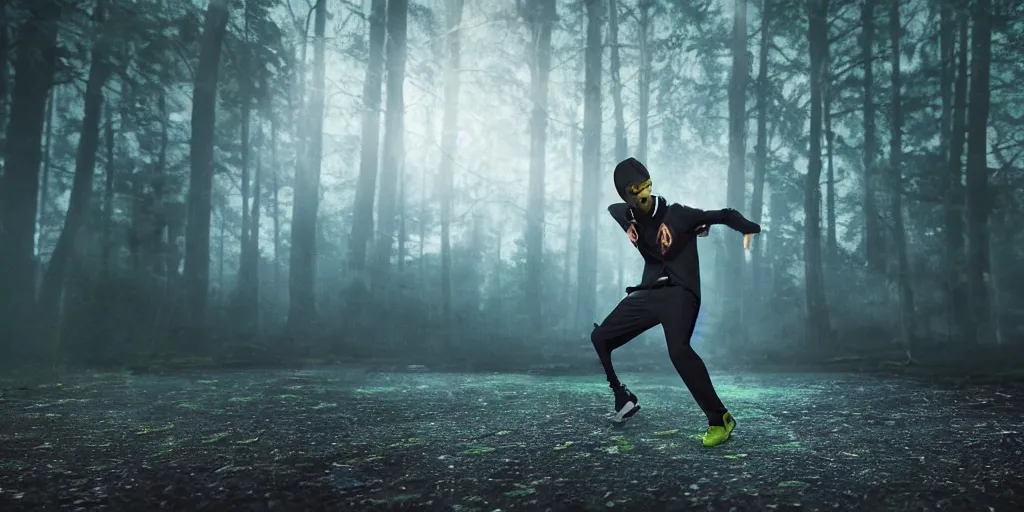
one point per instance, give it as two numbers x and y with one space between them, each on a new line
675 308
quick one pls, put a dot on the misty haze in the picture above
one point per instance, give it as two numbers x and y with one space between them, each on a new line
483 255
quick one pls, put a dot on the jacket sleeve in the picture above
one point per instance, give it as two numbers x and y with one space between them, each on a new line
693 218
618 212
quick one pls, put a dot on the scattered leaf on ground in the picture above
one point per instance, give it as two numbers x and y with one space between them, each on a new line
622 443
215 437
520 492
407 443
793 483
153 430
231 469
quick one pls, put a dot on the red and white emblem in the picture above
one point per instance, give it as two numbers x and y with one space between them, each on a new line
664 238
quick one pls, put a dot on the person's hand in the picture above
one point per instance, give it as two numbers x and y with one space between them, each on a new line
746 240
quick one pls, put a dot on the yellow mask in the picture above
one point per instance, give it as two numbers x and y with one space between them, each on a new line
640 196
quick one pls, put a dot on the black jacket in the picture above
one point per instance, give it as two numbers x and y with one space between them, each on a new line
667 239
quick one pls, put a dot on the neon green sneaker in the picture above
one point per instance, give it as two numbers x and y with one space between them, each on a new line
717 435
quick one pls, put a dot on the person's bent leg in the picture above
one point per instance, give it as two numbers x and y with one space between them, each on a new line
678 317
630 318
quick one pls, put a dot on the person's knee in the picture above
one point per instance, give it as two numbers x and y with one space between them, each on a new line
682 352
599 339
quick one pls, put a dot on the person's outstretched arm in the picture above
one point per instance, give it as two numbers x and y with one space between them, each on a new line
695 219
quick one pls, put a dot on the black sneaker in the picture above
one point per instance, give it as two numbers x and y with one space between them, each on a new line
626 404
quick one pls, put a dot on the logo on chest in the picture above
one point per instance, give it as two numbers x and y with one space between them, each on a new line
663 238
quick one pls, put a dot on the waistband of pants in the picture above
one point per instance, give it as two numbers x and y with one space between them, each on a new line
661 282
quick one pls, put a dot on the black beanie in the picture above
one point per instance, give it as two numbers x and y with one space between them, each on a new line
629 172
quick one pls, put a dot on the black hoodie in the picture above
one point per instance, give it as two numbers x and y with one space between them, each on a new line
667 237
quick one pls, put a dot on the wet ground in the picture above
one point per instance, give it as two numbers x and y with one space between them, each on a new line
344 438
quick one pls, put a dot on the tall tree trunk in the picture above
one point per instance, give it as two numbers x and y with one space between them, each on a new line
736 184
34 64
568 291
252 298
394 129
81 186
362 214
244 285
947 66
574 144
831 242
761 151
449 136
221 241
818 322
908 326
108 181
298 100
5 44
586 281
540 16
644 83
671 123
274 164
978 204
140 215
874 243
244 124
621 145
427 195
44 182
300 129
302 261
424 201
204 106
168 262
778 206
400 259
955 250
498 281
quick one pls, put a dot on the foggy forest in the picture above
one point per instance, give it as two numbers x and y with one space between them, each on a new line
414 186
233 180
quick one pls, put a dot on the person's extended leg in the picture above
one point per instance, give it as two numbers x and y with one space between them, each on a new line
630 318
678 314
